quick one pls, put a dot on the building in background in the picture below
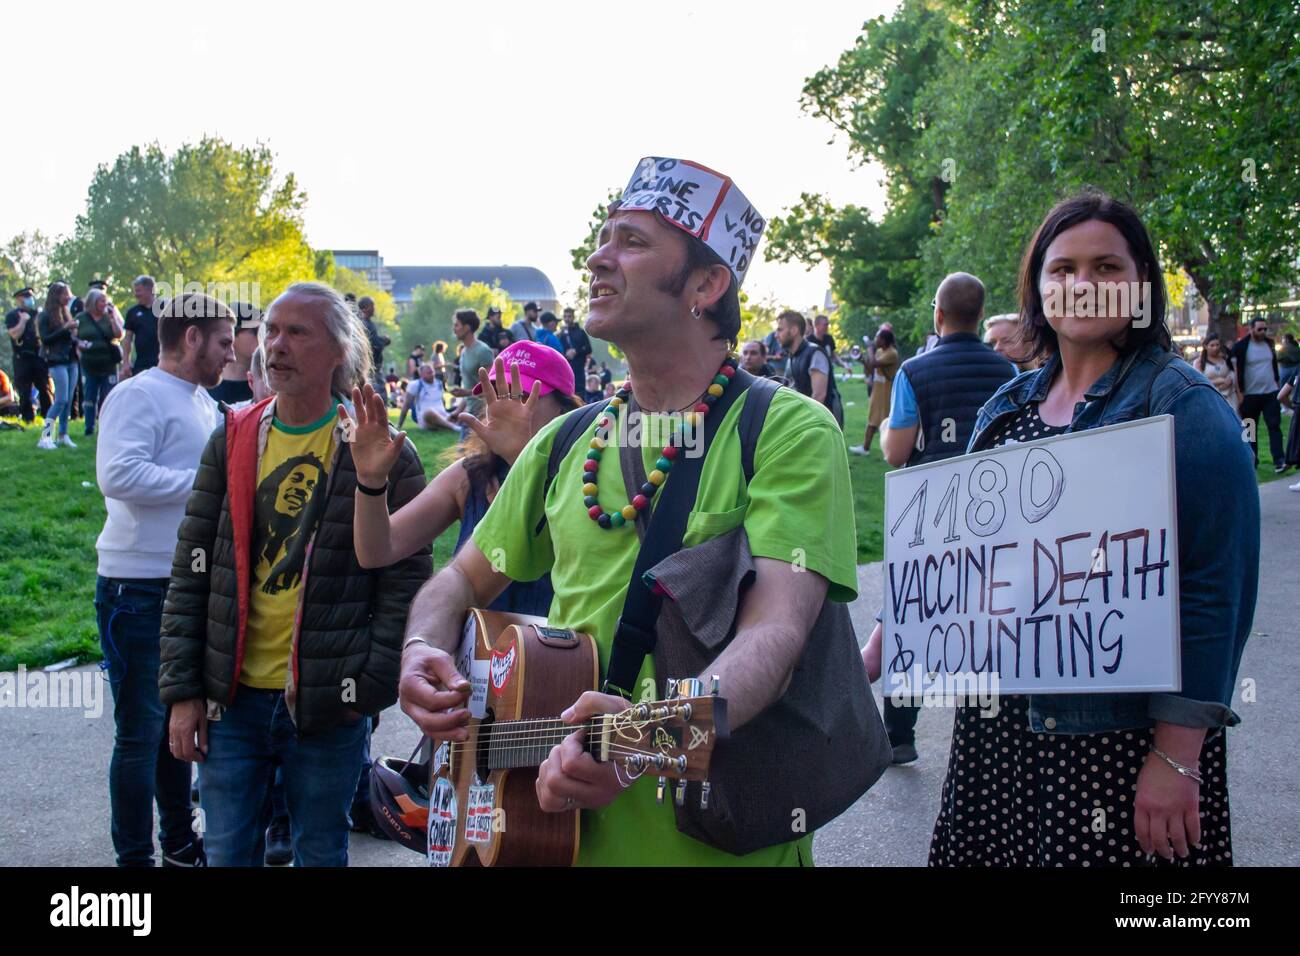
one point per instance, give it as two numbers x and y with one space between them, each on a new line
368 262
521 283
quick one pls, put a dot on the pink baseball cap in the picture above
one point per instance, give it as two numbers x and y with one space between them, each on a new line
537 363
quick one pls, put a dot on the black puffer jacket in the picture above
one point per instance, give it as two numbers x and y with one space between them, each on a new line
348 648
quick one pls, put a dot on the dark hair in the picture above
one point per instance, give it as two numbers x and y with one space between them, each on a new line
1290 337
52 305
886 338
189 309
467 317
548 316
790 315
1212 337
1258 319
725 313
1034 328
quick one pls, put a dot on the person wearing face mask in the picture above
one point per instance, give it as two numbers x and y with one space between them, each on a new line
1151 766
30 370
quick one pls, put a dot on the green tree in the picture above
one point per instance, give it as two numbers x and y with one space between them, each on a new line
356 283
428 319
25 260
210 212
1183 109
583 250
870 97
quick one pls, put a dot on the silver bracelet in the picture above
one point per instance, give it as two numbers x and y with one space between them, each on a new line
415 639
1185 771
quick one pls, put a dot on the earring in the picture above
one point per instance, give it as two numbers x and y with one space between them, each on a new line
695 311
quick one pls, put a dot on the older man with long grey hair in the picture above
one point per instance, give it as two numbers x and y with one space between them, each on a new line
276 644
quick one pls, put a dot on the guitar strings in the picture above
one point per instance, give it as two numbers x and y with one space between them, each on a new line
625 724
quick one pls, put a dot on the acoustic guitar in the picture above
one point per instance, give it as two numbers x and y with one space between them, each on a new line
483 808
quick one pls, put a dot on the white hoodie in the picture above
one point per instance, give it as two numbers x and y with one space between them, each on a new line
152 431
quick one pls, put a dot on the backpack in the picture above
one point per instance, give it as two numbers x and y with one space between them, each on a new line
820 746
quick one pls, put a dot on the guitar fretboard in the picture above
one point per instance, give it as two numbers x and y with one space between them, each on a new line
527 743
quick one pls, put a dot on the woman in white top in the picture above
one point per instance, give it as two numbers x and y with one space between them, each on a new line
1214 364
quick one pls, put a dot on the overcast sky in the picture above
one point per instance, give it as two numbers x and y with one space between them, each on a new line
441 133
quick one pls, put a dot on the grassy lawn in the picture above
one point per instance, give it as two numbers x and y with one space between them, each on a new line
53 512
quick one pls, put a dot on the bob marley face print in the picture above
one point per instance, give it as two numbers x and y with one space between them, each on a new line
287 508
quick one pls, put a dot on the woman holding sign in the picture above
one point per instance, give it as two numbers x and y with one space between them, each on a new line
1114 779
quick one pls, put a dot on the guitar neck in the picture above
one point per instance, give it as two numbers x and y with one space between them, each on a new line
527 743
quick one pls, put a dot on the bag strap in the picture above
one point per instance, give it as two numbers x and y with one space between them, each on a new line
574 424
752 417
95 322
635 635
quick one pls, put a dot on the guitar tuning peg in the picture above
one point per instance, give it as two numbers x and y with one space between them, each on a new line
659 790
706 789
679 797
689 687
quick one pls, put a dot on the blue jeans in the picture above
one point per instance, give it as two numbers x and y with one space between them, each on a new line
64 378
142 768
94 390
254 736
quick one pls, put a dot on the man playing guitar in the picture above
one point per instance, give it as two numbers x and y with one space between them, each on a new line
665 281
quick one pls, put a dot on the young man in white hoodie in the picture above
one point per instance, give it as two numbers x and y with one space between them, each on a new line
153 428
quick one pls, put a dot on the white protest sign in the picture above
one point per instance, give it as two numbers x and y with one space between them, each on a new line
704 203
1049 566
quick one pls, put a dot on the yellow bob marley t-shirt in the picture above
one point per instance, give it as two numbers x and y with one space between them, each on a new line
289 500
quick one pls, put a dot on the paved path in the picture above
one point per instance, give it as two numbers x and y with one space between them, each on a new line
54 761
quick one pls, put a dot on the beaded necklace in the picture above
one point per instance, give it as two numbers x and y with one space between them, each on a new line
667 455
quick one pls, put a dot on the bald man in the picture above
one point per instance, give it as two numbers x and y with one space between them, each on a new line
936 397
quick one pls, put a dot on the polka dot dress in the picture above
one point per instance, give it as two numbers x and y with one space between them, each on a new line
1013 797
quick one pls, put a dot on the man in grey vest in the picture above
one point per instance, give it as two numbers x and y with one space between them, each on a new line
935 399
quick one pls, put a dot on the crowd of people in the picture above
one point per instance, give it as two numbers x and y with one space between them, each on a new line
1257 376
265 586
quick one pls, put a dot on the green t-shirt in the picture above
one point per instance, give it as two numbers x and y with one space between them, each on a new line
472 359
798 509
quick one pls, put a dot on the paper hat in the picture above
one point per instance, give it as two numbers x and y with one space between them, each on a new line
699 201
537 363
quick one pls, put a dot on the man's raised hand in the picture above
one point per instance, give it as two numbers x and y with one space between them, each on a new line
373 451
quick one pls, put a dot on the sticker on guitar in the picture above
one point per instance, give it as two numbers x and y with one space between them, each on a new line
442 822
478 818
502 665
473 670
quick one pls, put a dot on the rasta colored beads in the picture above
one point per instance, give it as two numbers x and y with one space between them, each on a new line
663 466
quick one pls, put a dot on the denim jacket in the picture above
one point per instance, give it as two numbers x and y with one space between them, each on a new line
1218 535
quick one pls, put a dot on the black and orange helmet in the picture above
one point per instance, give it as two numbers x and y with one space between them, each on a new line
399 798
